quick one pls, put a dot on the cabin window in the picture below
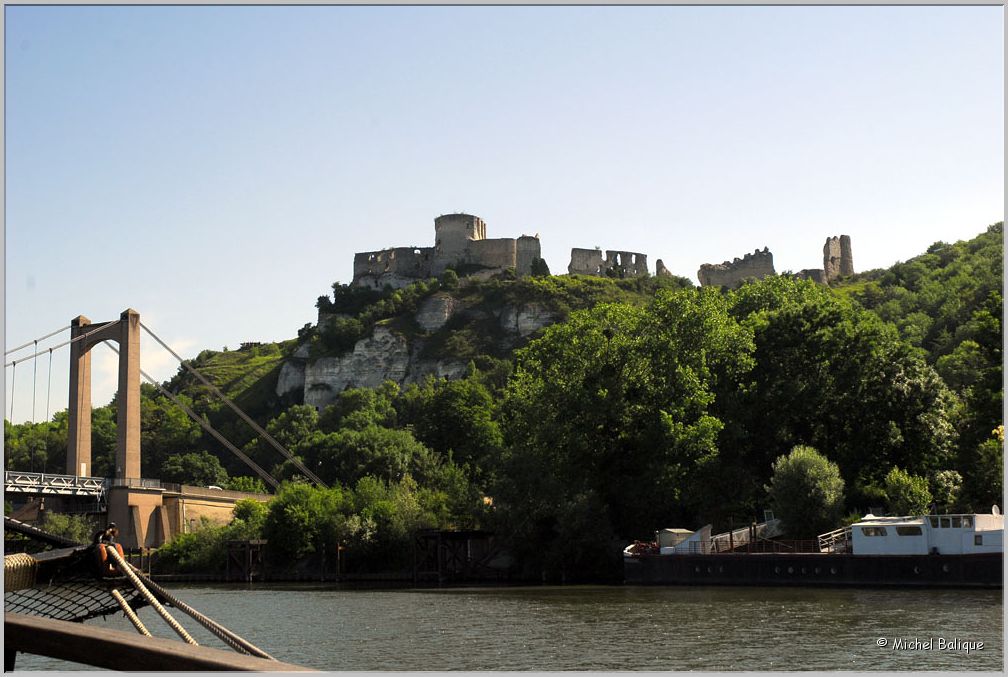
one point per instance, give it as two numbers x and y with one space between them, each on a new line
909 531
945 522
934 522
957 522
978 539
967 522
873 531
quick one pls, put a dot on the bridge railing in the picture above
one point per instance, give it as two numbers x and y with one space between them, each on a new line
135 483
47 483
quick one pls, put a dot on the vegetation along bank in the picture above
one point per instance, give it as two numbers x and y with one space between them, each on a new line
620 406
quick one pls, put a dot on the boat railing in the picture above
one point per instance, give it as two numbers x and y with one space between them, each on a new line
743 536
838 540
784 546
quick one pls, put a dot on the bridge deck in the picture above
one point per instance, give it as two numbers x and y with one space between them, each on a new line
16 482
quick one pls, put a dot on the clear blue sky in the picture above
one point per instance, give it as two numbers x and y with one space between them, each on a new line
227 162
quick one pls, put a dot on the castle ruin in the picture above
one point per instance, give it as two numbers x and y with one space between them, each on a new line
753 266
460 241
838 261
590 262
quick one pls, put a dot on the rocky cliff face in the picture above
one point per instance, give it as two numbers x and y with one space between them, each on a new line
389 355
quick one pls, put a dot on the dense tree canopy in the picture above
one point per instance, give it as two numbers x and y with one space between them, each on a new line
650 404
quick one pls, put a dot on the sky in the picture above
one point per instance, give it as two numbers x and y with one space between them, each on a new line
216 168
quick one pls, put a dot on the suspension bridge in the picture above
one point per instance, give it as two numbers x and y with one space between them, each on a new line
148 511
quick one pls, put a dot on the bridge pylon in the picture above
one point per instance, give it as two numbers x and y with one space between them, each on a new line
126 332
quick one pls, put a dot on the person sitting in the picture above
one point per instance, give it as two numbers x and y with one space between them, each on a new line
108 535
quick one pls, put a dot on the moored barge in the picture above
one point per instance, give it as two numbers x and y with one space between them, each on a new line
964 550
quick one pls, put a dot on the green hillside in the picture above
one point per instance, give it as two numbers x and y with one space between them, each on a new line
648 403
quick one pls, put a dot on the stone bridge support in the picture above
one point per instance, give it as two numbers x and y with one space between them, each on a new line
126 332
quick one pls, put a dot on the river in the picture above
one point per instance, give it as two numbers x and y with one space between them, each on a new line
595 627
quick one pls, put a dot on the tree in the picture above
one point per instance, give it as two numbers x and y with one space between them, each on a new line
201 469
358 408
907 494
946 487
302 517
290 429
78 528
456 420
165 429
104 438
252 485
539 268
838 378
248 519
609 416
348 455
983 481
38 447
807 492
449 279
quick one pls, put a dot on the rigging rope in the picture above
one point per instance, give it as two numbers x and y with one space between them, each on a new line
130 614
206 426
225 635
255 426
41 338
113 553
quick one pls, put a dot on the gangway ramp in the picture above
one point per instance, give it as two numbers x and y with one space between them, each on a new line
743 536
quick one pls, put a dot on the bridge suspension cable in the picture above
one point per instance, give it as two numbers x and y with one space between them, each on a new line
48 386
34 381
12 384
255 426
65 343
41 338
269 479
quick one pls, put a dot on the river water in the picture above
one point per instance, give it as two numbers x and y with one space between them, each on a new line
595 627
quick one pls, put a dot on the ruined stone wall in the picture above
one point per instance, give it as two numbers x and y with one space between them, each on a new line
496 253
838 261
408 261
817 275
586 262
633 263
591 262
527 250
753 266
846 256
831 257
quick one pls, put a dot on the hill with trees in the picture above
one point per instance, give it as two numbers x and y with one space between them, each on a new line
648 403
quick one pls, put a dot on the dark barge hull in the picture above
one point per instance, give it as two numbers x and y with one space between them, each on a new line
817 569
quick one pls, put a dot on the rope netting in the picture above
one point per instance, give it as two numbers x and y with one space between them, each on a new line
82 582
63 585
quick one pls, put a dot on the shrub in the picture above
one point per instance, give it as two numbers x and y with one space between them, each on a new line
806 491
907 494
75 527
946 488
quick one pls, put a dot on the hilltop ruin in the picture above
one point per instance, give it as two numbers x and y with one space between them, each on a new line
838 261
753 266
460 241
623 264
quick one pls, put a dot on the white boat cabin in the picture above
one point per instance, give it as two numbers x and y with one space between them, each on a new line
684 541
935 534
